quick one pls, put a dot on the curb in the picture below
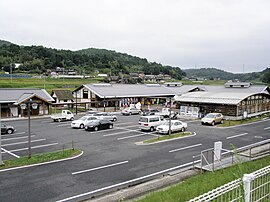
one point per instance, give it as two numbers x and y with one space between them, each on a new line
40 164
162 141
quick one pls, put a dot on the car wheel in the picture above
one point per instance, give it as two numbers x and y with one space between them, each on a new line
110 126
114 119
130 113
182 129
81 126
59 120
96 128
71 118
140 113
213 123
9 131
152 129
222 121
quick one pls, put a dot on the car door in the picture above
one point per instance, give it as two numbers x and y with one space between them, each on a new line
3 128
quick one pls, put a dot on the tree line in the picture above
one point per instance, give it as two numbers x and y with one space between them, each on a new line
42 60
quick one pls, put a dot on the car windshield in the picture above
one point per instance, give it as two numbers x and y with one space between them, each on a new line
143 119
210 116
83 118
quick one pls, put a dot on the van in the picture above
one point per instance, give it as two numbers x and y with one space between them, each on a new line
150 122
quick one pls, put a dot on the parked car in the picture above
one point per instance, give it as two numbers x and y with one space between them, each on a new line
106 116
98 124
66 115
7 129
149 112
91 111
212 119
150 122
175 126
130 111
81 122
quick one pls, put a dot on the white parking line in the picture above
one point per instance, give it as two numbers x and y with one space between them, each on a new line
267 128
38 140
236 136
112 134
128 181
131 136
122 123
39 146
188 147
6 151
18 133
98 168
127 126
15 138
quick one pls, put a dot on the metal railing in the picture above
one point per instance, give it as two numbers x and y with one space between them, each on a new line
229 157
254 187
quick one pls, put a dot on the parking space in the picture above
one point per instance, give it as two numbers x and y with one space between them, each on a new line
16 144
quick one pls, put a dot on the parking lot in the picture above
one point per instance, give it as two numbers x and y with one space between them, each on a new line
111 157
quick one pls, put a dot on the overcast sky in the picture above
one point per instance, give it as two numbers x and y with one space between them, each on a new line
233 35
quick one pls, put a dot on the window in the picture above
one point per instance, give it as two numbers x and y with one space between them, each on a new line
85 94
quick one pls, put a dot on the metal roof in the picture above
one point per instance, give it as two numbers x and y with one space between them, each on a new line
250 89
179 90
129 90
231 98
15 95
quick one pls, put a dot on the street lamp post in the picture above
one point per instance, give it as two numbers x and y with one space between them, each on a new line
1 162
24 106
170 118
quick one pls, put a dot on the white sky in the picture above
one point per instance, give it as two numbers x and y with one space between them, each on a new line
226 34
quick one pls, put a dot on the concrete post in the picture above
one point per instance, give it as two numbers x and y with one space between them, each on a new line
217 150
247 179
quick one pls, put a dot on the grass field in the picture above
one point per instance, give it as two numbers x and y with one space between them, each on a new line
167 137
48 84
39 158
200 184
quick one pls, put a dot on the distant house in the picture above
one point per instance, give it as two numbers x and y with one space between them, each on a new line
12 98
102 75
62 96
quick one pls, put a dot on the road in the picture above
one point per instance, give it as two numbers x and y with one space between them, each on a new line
111 159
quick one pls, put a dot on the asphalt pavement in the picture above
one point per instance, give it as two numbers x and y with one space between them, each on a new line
111 158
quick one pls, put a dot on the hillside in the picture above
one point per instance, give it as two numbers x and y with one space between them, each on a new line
212 73
3 42
39 60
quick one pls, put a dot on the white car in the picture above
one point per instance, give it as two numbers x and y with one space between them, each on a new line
106 116
130 111
175 126
80 123
150 122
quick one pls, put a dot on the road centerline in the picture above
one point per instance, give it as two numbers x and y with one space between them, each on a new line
234 136
101 167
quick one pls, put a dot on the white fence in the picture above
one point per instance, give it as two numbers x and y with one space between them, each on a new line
254 187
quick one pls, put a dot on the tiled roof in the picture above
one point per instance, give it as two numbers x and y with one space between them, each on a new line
15 95
63 94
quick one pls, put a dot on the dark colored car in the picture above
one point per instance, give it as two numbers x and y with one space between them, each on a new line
99 124
7 129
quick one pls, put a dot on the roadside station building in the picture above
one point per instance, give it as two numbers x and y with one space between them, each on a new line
12 98
234 100
122 95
